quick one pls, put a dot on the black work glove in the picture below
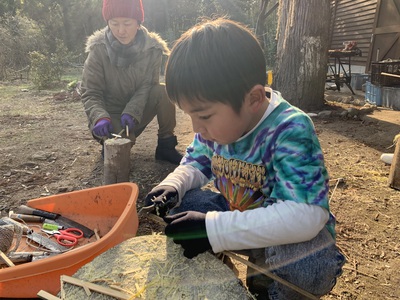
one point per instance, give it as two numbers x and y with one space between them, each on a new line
163 197
189 230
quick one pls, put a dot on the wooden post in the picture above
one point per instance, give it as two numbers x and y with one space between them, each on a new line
394 174
117 160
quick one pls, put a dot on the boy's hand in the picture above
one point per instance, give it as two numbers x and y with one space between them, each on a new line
163 197
189 230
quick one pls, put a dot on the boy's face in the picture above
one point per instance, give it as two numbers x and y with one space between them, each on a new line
218 122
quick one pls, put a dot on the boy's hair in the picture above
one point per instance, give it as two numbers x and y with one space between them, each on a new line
217 60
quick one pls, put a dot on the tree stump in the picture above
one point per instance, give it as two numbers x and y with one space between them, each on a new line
153 267
116 160
394 174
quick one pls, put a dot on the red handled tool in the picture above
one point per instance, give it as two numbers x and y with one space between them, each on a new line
67 237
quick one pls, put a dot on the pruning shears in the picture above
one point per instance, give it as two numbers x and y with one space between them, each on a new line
68 237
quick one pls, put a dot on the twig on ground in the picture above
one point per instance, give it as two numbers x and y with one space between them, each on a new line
360 272
339 180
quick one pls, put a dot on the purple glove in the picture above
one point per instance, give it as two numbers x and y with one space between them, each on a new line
127 120
103 127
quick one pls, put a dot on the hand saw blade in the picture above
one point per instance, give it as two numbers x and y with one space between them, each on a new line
46 242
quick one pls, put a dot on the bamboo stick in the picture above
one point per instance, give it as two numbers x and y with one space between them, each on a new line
94 287
6 259
271 275
389 74
47 296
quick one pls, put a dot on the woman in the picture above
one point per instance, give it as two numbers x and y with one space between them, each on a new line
120 84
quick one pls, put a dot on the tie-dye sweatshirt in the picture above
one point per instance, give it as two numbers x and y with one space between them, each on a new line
274 169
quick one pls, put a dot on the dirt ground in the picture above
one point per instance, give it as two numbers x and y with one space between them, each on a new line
46 148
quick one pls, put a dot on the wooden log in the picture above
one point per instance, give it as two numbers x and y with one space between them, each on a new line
117 160
394 174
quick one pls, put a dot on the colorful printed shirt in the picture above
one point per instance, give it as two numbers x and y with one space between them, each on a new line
280 159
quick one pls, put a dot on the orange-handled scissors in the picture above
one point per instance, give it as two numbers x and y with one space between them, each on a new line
67 237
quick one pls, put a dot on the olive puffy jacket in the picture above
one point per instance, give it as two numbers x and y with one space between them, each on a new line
107 89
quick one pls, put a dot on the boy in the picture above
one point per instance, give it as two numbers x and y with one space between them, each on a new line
264 157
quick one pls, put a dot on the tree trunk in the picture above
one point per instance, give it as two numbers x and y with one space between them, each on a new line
260 29
260 25
302 52
66 19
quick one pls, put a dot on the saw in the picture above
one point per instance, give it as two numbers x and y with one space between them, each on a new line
46 242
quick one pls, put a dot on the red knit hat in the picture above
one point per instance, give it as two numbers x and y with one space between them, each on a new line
123 9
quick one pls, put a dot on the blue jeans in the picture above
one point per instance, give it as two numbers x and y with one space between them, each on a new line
312 265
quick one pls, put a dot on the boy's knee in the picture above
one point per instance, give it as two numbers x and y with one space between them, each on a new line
316 273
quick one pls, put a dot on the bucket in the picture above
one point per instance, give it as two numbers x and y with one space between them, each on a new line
357 80
373 93
391 97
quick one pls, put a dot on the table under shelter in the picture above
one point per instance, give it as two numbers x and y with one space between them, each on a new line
339 67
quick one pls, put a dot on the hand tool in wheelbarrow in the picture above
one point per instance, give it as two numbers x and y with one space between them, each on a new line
68 237
45 242
57 218
26 210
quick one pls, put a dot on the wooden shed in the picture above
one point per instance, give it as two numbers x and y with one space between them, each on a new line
373 24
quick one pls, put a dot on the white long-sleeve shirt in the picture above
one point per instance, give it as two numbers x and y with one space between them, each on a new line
275 182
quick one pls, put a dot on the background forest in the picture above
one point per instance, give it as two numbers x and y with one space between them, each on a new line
43 38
